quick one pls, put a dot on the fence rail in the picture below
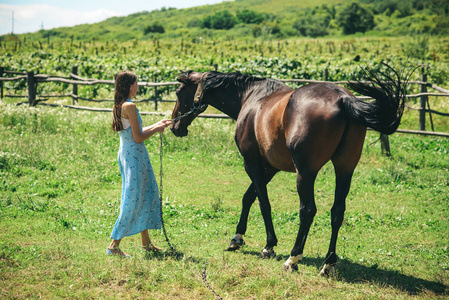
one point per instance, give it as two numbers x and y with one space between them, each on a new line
75 80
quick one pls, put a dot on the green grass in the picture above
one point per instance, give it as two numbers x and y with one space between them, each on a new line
60 194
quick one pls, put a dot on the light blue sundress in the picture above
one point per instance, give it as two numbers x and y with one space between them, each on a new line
140 205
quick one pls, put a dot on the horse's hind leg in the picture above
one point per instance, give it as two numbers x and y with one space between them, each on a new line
345 159
343 183
305 184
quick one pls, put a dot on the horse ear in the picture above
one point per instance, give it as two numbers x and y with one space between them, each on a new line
184 77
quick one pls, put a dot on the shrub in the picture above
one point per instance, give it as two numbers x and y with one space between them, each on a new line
154 28
311 26
315 22
389 7
250 17
221 20
266 30
195 22
355 18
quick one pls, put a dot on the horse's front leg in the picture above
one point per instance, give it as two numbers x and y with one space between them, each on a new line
260 176
265 208
248 199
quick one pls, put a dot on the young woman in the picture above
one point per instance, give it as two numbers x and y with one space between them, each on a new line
139 206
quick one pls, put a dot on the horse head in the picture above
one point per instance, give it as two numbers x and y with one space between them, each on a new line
187 108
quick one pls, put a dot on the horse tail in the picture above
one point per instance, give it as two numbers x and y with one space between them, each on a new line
385 111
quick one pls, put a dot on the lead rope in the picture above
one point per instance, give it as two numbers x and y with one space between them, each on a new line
172 249
208 286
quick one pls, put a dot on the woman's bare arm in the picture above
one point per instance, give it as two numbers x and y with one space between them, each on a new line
129 111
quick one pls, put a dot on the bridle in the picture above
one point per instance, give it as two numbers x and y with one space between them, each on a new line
199 90
198 107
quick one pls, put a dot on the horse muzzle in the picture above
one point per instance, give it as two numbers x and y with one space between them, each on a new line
179 130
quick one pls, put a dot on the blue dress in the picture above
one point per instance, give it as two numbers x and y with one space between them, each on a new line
140 205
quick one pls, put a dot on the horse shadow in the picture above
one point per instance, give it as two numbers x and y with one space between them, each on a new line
351 272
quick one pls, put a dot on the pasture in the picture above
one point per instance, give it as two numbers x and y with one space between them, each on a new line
60 193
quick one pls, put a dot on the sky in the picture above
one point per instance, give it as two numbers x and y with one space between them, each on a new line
34 15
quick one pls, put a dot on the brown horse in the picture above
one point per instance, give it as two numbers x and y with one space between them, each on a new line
280 129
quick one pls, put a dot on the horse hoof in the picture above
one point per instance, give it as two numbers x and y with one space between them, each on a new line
267 253
290 267
291 264
327 271
235 244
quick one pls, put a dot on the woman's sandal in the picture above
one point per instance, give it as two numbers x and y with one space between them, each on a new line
117 252
150 247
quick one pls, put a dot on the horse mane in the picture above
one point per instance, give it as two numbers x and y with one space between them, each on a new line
239 83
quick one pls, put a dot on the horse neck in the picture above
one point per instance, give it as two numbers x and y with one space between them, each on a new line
226 103
261 89
231 103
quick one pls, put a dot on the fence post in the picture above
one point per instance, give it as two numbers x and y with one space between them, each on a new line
155 92
32 85
75 86
2 69
422 111
385 145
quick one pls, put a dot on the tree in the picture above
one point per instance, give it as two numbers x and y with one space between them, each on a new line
314 22
154 28
311 26
220 20
355 18
195 22
250 17
206 22
388 7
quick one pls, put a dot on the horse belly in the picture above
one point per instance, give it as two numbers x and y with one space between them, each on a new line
278 156
270 135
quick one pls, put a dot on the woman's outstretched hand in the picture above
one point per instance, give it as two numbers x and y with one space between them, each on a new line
162 124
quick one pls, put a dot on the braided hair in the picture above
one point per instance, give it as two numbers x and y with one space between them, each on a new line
123 82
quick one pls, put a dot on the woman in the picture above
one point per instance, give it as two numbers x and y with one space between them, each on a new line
139 206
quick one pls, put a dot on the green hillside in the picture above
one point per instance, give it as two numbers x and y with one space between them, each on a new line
266 19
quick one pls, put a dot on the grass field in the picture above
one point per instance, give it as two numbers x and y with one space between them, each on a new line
60 193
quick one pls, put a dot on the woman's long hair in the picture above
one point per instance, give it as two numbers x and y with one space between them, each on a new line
123 82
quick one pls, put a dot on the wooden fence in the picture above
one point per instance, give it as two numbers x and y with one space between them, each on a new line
75 80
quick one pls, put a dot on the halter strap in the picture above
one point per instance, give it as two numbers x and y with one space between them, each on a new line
199 90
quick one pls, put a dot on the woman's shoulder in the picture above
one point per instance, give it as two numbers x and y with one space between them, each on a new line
128 105
128 108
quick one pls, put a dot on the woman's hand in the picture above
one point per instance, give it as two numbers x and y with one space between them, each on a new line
130 112
162 124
